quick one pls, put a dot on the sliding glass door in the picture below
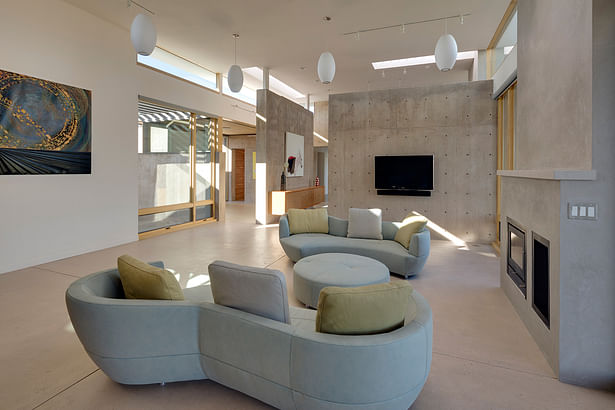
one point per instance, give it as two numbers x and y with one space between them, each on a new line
176 168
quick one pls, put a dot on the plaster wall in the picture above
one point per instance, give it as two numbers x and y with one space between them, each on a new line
277 115
582 268
456 123
554 96
48 217
529 203
587 356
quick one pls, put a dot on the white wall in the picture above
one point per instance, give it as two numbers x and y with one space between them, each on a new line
48 217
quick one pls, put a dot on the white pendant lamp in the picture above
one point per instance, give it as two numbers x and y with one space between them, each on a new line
143 34
326 67
235 74
446 50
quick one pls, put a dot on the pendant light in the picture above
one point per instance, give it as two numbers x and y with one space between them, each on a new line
446 50
326 64
326 67
235 75
143 34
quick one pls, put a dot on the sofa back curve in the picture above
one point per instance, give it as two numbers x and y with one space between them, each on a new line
282 365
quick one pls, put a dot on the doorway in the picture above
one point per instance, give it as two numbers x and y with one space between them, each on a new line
239 173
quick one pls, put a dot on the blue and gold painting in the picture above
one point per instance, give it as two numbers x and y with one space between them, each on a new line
44 127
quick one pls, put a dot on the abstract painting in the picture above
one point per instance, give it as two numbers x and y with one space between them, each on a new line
295 155
44 127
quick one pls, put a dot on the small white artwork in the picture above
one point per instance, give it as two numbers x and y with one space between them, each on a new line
295 155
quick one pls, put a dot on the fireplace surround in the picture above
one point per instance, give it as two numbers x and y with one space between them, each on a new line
516 255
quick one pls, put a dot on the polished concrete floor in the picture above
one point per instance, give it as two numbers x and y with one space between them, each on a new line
483 357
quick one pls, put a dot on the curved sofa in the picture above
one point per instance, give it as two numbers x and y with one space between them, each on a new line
286 366
399 260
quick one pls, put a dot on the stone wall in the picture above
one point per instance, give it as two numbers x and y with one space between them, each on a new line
456 123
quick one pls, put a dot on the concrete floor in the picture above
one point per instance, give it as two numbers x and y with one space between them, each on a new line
483 357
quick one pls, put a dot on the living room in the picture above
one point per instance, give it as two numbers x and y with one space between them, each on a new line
520 165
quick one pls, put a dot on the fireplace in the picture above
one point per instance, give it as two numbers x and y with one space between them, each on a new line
540 277
516 255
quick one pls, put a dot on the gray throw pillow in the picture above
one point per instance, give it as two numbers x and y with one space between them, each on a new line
254 290
365 223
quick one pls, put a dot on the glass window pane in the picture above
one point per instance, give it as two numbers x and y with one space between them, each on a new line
164 160
505 43
170 63
204 140
164 219
204 212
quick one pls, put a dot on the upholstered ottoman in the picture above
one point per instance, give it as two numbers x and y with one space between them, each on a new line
315 272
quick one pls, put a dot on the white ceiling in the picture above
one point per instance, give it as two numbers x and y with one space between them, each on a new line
288 36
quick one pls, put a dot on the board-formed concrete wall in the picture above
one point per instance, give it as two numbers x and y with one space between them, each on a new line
276 116
456 123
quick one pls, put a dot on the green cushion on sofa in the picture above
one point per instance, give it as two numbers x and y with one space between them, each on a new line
409 226
363 310
141 280
308 220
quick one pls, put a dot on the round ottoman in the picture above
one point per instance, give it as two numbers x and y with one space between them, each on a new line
315 272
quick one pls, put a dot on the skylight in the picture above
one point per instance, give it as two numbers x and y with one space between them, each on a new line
276 85
407 62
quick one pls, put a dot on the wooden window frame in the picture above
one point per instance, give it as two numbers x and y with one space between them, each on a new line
214 144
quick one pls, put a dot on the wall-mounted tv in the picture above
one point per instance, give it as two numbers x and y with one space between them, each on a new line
404 174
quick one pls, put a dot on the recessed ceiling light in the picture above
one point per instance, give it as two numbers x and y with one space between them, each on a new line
412 61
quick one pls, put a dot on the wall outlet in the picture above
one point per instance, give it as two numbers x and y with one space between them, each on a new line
585 210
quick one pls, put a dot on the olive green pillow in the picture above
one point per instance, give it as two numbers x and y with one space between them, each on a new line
409 226
141 280
308 220
363 310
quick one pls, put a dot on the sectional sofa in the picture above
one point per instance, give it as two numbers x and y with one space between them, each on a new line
289 366
399 260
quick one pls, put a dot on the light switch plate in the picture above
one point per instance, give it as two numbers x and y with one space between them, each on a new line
587 211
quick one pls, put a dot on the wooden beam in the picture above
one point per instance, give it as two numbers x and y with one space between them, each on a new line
175 228
164 208
510 129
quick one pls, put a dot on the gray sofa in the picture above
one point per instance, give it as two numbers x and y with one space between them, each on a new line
399 260
286 366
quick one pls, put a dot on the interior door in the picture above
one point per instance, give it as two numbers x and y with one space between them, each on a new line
239 173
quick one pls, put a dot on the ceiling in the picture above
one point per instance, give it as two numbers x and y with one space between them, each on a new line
288 36
233 128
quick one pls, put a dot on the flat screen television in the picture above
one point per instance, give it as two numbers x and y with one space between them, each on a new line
404 172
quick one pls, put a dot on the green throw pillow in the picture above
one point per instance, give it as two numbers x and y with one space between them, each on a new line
308 220
141 280
409 226
363 310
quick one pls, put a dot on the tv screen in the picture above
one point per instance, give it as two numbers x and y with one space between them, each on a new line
404 172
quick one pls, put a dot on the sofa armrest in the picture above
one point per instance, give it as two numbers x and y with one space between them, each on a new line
284 227
419 243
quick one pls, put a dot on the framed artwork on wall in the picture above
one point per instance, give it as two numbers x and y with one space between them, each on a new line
295 155
45 127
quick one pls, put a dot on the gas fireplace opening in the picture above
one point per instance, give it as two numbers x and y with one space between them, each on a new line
540 277
516 256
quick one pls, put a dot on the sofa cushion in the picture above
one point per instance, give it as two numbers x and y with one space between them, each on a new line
254 290
365 223
308 220
409 226
141 280
363 310
338 226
